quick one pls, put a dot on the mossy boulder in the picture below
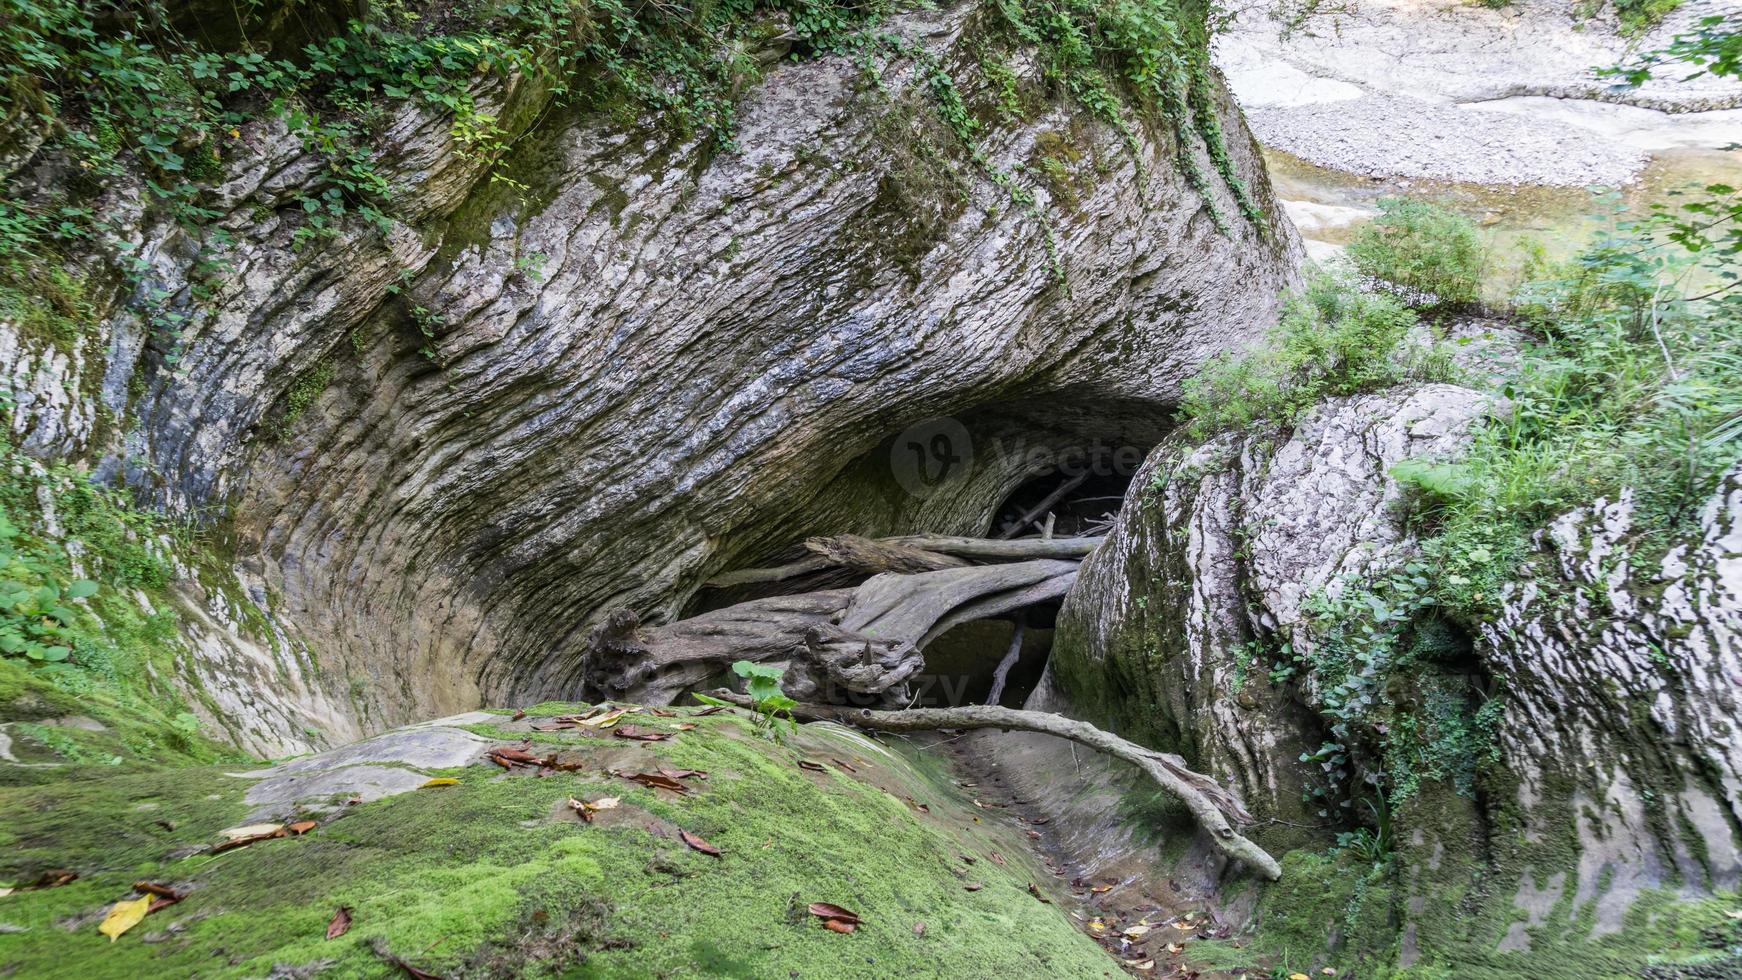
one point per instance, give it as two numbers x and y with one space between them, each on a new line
495 875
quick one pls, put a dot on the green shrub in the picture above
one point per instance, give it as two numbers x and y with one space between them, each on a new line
1333 339
1435 255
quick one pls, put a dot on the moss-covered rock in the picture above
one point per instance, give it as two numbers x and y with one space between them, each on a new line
495 875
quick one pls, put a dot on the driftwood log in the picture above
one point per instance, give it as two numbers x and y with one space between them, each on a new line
1216 809
836 643
907 554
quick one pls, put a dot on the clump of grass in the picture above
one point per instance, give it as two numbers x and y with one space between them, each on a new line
1433 255
1333 339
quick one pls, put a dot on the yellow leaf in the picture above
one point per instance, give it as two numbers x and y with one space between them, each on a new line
1299 976
251 830
1184 926
440 781
1097 925
1145 965
605 720
124 916
1136 932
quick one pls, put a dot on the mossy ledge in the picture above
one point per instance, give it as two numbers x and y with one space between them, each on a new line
495 875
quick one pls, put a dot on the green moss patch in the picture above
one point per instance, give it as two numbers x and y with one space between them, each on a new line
496 876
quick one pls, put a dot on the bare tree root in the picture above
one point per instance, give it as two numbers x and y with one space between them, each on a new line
1214 808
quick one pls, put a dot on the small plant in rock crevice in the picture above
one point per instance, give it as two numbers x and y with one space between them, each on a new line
772 706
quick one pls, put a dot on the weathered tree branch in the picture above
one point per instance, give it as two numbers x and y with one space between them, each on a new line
909 553
1214 807
1016 548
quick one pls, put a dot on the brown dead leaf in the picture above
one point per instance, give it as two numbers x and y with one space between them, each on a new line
341 922
685 727
1034 835
1175 948
161 891
1035 891
661 713
1101 888
973 886
302 827
697 842
585 809
682 773
654 780
560 726
521 713
812 766
712 709
641 734
605 720
836 925
997 858
519 757
1142 965
829 910
244 841
53 878
843 765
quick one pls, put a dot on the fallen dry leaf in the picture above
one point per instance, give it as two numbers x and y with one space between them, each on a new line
829 910
685 727
1096 925
517 716
1175 948
654 780
997 858
641 734
843 765
1144 965
517 756
682 773
440 781
605 720
235 842
1035 891
1101 888
161 891
712 709
1136 932
250 830
1327 971
586 809
1184 926
52 878
812 766
697 842
123 916
341 922
302 826
836 925
1299 976
661 713
973 886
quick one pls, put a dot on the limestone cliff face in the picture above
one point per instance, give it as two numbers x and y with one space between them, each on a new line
1616 743
444 450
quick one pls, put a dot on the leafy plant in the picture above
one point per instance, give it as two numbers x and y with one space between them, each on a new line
1333 339
771 704
1434 255
35 621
